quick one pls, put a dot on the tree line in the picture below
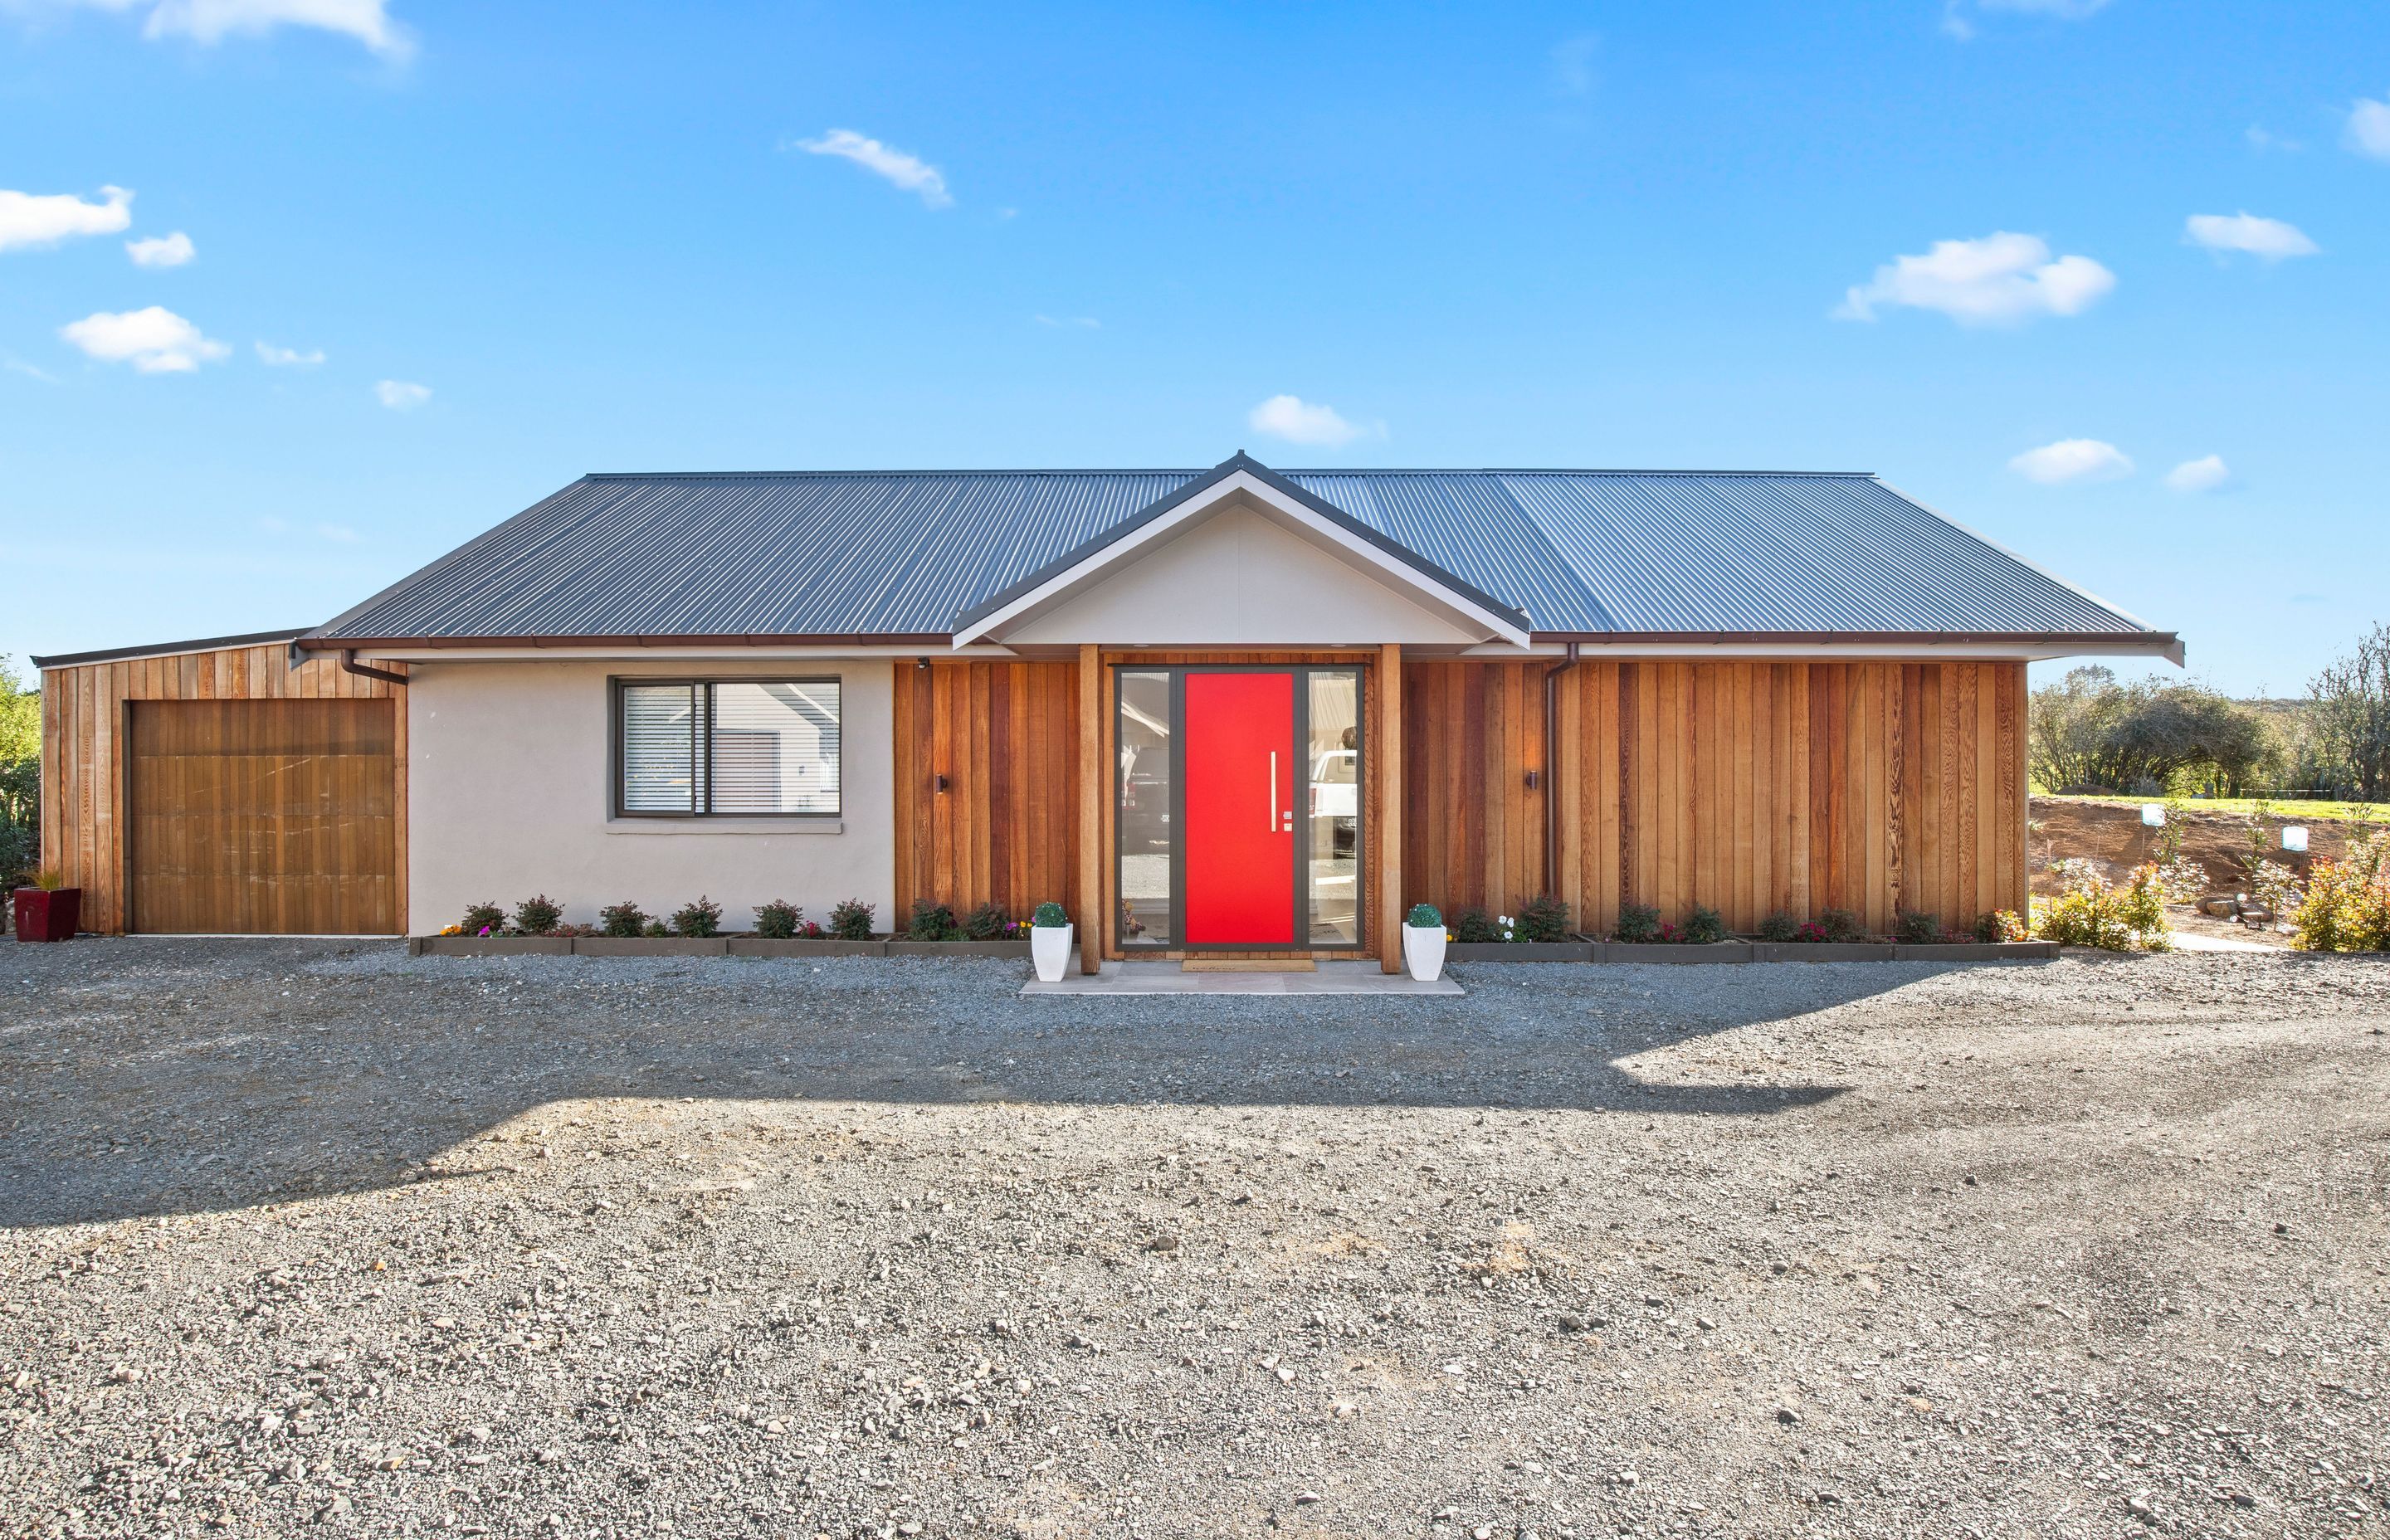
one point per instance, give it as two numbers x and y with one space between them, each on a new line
2091 732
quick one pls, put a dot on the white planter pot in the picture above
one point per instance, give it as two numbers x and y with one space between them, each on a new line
1423 951
1050 948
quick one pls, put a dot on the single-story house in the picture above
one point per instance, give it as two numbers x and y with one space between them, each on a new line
1753 691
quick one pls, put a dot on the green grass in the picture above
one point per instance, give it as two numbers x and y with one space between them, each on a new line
2242 807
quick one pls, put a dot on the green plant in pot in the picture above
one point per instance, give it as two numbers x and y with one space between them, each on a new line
1050 941
1423 942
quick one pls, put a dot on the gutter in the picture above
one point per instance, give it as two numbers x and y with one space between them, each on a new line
1551 767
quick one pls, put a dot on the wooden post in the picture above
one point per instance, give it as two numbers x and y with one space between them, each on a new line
1390 807
1093 785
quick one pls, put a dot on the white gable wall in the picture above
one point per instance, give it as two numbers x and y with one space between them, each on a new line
1237 579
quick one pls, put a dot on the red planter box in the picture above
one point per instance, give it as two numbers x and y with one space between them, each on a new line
48 913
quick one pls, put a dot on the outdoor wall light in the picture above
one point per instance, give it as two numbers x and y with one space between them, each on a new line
942 782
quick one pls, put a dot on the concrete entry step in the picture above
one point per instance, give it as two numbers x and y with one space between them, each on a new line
1163 978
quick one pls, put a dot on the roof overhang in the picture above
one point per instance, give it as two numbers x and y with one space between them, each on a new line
1243 481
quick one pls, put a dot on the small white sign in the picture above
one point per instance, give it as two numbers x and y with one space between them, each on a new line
2294 838
2153 815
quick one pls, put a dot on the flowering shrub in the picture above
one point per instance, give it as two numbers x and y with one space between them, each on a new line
988 922
1544 919
778 920
2114 917
1638 923
1999 925
484 919
1780 926
851 920
2183 880
622 919
931 921
700 917
538 917
1840 925
1704 926
1472 923
1918 927
2346 906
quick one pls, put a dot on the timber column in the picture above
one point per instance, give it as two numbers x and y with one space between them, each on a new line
1390 807
1093 783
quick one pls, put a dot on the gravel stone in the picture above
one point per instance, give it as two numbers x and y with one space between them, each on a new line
311 1235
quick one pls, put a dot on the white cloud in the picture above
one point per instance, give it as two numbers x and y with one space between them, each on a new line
1299 421
288 358
2270 239
340 532
161 251
2201 475
908 171
1573 65
155 340
2260 138
2073 460
2000 279
30 218
2368 128
211 21
1957 23
401 395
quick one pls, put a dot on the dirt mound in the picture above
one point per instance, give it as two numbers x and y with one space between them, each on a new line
2118 840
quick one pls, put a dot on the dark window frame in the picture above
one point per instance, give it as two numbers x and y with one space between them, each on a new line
701 755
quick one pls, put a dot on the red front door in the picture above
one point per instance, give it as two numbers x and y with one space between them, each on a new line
1238 840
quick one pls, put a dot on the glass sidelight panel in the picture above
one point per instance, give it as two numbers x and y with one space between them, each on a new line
1146 838
1334 869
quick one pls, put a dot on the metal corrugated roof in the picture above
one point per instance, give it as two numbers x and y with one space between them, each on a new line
864 554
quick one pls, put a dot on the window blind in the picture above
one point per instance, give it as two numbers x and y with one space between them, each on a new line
659 748
732 746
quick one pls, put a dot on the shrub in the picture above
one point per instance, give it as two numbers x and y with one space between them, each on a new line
1916 928
1048 916
851 920
779 919
484 919
931 921
2346 907
1542 918
1704 926
988 922
700 917
2093 912
1423 916
622 919
1472 923
1638 923
1840 925
538 917
1780 926
655 928
1996 926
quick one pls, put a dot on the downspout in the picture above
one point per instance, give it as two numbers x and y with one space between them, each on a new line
349 664
1551 768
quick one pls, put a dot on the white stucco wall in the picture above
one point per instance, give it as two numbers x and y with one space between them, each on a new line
1236 579
507 796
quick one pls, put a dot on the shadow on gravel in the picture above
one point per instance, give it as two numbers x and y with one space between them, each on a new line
143 1078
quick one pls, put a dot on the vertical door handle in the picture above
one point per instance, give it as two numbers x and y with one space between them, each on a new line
1269 797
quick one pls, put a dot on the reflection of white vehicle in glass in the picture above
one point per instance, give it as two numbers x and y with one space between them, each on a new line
1336 784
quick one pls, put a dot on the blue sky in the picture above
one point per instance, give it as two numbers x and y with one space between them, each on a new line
490 248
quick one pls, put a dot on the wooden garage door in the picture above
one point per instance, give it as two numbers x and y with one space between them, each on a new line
274 817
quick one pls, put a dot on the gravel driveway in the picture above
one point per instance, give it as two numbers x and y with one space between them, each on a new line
304 1234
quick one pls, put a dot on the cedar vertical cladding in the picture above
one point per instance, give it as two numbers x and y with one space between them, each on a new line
1005 736
1748 785
87 713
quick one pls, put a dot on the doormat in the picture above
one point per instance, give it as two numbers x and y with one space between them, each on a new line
1248 965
